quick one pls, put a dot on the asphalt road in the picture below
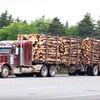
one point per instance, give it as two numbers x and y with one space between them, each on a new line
61 87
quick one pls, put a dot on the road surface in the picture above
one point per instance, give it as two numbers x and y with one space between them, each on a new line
61 87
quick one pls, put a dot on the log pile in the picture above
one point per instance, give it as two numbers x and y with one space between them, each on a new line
70 50
46 49
54 49
90 51
30 37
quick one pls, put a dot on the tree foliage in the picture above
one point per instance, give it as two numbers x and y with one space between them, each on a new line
10 28
56 27
71 31
86 26
40 25
97 32
5 19
10 32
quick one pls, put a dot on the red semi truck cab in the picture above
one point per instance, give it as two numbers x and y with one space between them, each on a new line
16 58
15 55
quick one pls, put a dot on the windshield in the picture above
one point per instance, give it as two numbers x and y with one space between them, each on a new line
5 50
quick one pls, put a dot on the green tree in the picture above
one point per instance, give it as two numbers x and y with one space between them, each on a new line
97 33
33 27
5 19
18 20
11 31
4 34
71 31
56 27
40 25
86 26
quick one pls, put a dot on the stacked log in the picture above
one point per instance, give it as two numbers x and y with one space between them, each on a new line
71 50
46 49
90 51
53 49
30 37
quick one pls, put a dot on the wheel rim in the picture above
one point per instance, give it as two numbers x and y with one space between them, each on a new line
95 71
52 71
44 71
5 72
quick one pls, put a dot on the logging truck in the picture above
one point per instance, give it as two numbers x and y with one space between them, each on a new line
16 58
41 55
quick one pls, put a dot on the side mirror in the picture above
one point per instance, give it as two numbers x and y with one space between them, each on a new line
17 51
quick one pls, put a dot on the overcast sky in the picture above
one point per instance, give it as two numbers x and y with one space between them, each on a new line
71 10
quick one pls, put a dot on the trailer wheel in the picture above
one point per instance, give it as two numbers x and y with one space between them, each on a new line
51 71
5 72
93 71
43 72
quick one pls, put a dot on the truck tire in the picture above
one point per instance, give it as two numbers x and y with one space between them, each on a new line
93 71
51 71
43 72
5 72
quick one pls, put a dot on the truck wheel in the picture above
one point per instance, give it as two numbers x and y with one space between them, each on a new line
5 72
93 71
51 71
43 72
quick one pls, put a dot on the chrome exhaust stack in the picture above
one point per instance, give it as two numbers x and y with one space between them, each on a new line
21 53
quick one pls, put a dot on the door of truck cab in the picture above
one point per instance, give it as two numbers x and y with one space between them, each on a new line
14 56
